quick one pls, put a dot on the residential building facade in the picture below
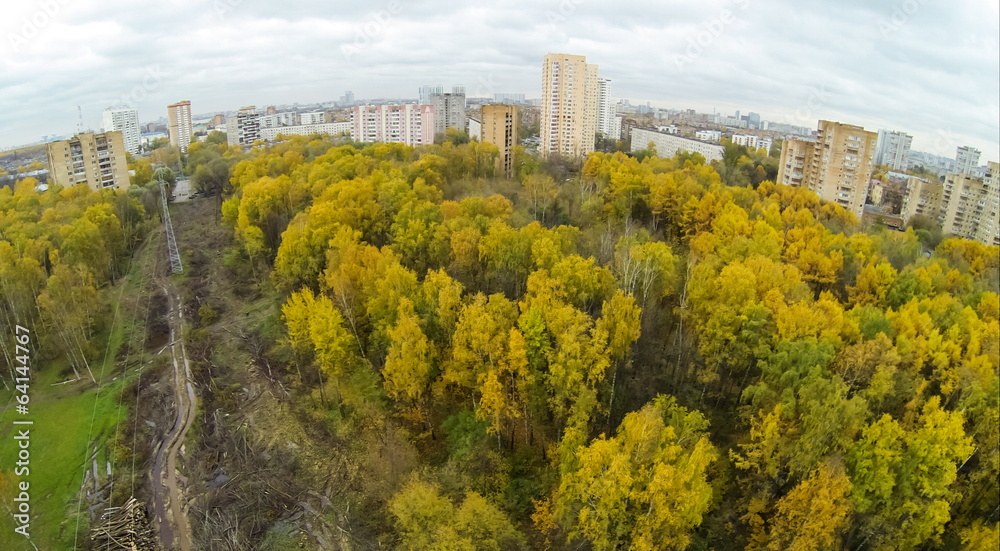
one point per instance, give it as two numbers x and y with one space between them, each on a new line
97 160
605 109
271 133
970 206
668 145
923 197
449 110
569 105
244 128
836 165
126 121
966 159
179 124
499 127
893 149
407 124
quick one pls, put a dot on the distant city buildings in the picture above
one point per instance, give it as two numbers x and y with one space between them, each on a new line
126 121
244 128
751 141
179 124
408 124
893 149
966 160
499 127
836 165
97 160
347 99
668 145
449 110
517 99
569 105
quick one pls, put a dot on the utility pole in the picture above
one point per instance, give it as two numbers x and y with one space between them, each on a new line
172 252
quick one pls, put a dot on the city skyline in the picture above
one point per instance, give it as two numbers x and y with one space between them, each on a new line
929 71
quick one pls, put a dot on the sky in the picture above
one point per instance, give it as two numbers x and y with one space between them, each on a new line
931 69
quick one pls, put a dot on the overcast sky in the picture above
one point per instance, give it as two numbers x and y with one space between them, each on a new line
929 68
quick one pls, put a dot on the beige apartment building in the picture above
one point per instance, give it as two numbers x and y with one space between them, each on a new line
923 197
499 127
969 206
836 165
569 105
95 159
179 121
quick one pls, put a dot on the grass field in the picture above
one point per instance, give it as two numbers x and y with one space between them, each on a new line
71 422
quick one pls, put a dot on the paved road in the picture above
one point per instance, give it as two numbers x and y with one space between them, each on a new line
182 191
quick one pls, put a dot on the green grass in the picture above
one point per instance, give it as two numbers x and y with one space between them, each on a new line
70 422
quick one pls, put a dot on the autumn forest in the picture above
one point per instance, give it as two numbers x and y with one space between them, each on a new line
622 352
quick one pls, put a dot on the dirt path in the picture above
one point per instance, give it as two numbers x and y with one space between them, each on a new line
168 504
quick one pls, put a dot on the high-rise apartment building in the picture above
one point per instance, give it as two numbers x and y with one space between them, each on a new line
126 121
569 105
426 91
836 165
179 123
893 149
970 206
244 128
95 159
408 124
605 109
966 159
499 127
449 110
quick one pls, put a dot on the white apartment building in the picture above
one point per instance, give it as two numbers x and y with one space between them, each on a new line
713 136
667 145
966 160
126 121
407 124
244 128
747 140
893 149
606 110
317 117
270 133
275 120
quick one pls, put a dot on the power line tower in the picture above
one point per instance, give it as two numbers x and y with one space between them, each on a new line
172 252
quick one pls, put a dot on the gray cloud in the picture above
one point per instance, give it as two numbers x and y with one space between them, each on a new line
912 65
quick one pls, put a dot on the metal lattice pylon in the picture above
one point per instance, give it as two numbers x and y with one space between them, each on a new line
172 252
